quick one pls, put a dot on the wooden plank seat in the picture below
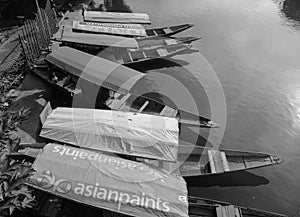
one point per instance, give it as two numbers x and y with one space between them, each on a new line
217 161
228 211
168 111
117 104
162 52
143 106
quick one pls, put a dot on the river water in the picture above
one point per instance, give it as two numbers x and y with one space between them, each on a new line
245 71
250 52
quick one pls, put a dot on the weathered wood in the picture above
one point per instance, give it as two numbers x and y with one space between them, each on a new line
169 112
226 211
211 162
117 104
224 161
216 156
143 106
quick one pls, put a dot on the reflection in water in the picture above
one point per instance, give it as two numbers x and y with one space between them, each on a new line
97 5
291 9
116 6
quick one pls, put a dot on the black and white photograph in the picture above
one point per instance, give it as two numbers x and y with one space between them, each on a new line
149 108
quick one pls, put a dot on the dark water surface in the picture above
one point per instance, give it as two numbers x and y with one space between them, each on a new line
253 47
248 70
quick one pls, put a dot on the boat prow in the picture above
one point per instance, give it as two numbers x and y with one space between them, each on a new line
212 208
204 161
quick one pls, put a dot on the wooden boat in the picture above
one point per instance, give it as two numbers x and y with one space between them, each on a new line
200 161
129 30
142 55
165 41
115 17
126 50
204 161
166 31
198 207
94 41
63 124
212 208
114 82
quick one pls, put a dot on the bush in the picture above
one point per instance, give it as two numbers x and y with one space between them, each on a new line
13 173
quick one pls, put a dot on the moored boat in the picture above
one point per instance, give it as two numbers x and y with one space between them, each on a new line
124 50
93 41
204 161
128 30
166 31
142 55
149 139
198 162
117 84
148 50
212 208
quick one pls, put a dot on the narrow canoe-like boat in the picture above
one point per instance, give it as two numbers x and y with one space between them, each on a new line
128 30
201 161
166 31
165 41
212 208
116 82
142 55
98 44
138 51
93 41
198 207
76 126
116 17
204 161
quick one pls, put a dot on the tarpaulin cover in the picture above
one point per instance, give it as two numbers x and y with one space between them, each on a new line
110 28
142 135
98 40
114 17
94 69
109 182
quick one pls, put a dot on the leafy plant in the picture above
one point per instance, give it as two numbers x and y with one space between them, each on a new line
13 173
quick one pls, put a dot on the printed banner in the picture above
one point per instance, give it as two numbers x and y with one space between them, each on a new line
107 28
109 182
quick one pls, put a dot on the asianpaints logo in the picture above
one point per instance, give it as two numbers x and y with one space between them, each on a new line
96 193
118 164
47 180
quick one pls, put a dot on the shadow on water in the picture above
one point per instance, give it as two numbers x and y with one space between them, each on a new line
163 62
116 6
159 64
95 5
189 136
291 10
241 178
